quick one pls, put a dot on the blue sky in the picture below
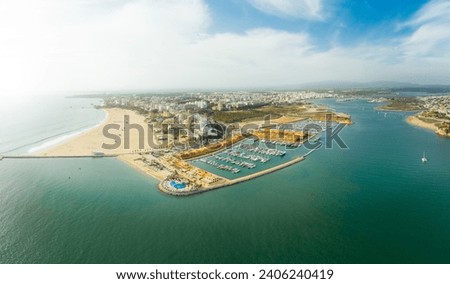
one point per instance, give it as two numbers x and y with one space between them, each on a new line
108 45
346 22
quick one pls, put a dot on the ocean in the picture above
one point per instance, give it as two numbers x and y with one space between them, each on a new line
374 202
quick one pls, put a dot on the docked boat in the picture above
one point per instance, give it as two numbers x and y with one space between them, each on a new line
222 167
263 151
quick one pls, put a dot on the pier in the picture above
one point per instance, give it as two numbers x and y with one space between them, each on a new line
312 150
265 172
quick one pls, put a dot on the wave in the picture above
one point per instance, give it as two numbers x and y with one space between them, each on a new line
39 141
61 137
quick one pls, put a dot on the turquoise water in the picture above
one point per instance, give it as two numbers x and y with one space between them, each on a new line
372 203
31 124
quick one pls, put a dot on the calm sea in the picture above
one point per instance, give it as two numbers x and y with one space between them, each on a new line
372 203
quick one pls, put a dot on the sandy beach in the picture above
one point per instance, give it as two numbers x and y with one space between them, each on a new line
415 121
86 143
96 140
93 140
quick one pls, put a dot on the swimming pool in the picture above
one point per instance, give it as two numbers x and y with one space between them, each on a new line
177 185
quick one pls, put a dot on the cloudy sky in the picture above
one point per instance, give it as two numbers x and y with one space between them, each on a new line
108 45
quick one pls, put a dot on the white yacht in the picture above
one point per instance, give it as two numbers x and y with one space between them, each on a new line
424 158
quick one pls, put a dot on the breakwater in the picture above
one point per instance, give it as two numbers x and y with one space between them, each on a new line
228 182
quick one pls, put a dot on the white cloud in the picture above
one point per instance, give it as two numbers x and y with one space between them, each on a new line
166 44
432 11
306 9
431 37
100 44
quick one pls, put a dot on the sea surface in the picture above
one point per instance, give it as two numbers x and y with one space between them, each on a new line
374 202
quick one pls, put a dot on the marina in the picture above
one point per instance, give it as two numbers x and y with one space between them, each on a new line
247 158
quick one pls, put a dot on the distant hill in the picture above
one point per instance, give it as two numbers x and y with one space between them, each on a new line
364 85
390 86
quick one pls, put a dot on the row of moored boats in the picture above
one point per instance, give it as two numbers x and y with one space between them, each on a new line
251 157
263 151
238 163
221 166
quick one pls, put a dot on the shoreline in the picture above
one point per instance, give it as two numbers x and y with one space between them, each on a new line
92 140
378 108
64 138
87 142
415 121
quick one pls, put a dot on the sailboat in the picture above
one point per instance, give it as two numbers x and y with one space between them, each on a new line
424 158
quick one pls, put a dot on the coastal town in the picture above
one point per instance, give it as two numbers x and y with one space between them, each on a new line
198 138
433 111
197 142
225 141
215 101
437 113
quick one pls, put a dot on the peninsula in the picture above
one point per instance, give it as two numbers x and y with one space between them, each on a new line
434 111
176 138
435 116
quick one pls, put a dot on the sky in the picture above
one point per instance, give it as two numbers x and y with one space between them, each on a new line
118 45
